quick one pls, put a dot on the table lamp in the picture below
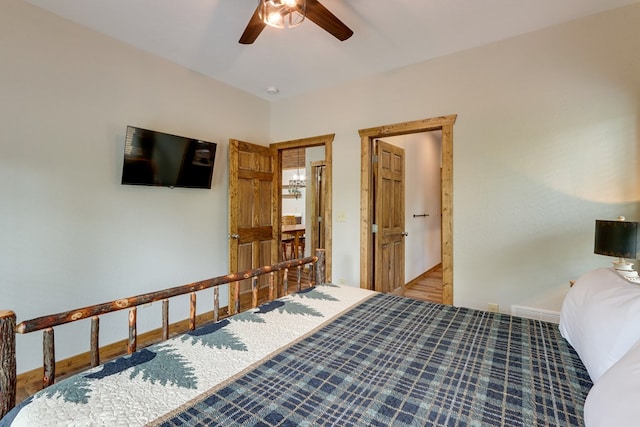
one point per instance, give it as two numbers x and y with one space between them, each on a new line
619 239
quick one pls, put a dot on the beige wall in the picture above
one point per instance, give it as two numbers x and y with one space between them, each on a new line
546 141
71 235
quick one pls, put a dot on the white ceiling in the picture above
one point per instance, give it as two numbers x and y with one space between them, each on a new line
202 35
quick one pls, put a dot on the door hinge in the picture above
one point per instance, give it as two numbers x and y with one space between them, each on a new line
374 228
374 158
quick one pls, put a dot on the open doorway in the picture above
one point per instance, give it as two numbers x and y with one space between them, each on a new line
303 201
309 205
368 228
422 219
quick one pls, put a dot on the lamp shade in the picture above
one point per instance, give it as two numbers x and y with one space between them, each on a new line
617 239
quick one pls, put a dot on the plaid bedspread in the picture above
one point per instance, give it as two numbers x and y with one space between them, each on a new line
393 361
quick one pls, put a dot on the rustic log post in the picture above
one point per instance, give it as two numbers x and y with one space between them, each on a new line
165 319
312 274
320 272
216 304
48 358
192 311
285 282
254 292
7 361
271 296
299 277
95 341
235 291
133 330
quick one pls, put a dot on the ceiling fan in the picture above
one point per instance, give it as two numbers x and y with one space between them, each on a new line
287 11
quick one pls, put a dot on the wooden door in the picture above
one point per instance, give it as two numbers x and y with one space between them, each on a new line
253 222
389 217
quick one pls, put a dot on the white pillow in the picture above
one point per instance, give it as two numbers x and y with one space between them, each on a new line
600 317
614 399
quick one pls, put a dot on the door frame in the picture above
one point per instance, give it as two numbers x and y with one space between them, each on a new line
443 123
315 141
315 167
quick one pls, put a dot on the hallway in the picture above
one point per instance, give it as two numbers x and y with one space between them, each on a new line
427 287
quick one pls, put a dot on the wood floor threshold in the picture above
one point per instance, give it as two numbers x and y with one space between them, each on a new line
430 272
427 287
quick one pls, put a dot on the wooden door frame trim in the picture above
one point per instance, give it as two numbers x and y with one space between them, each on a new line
314 141
443 123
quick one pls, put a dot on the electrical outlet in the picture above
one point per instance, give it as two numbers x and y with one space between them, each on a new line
495 308
341 216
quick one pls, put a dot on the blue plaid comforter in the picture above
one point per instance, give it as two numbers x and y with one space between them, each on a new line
394 361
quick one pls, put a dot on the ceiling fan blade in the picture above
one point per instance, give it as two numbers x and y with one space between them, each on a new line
326 20
253 29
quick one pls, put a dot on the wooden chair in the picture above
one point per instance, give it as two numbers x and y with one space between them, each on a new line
287 239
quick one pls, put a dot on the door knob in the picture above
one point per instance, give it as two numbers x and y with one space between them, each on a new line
234 236
405 234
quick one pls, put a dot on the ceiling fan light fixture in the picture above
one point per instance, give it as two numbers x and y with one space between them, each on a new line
282 13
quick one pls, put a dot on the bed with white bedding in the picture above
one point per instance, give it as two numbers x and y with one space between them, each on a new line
336 355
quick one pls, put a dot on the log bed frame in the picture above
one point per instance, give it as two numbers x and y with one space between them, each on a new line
9 328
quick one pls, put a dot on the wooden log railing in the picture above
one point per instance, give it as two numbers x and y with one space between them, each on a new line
9 328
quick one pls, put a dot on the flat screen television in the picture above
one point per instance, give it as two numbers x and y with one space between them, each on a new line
160 159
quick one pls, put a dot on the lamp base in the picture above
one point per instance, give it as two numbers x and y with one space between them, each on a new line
625 269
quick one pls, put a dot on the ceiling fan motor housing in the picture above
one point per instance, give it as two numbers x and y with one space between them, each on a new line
291 13
282 13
